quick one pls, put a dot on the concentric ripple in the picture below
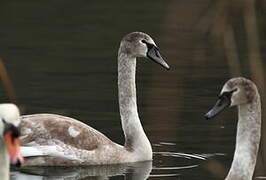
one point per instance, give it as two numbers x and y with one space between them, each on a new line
174 164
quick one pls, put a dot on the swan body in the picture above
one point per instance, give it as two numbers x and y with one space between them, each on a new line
54 140
242 93
9 132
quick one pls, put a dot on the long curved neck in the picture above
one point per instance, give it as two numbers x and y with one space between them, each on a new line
4 161
247 141
135 138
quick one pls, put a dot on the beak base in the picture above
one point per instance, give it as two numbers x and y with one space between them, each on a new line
154 54
13 148
220 105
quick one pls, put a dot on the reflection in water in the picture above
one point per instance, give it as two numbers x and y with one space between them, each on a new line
166 164
131 171
64 62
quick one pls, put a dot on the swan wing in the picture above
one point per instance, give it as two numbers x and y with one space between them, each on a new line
54 151
44 131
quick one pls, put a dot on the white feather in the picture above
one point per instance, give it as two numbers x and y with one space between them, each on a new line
54 151
31 151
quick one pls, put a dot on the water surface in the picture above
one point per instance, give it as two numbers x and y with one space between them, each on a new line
61 58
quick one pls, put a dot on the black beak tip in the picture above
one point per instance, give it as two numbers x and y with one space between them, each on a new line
207 116
167 68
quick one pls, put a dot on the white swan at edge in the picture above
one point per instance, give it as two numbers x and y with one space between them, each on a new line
9 142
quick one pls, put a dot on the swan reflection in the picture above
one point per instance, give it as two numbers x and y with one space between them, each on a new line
132 171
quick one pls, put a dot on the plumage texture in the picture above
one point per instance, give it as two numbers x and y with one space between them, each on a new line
53 140
49 135
247 99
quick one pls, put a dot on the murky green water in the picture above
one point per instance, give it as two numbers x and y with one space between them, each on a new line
61 57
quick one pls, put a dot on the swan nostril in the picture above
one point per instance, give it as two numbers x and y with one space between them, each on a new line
157 54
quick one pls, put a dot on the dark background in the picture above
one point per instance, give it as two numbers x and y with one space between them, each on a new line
61 58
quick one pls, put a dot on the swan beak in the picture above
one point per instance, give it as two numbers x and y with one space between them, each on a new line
154 54
221 104
13 147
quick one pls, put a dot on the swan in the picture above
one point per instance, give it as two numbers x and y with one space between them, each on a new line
9 142
55 140
242 93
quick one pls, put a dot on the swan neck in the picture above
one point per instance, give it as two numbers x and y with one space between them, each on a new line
4 161
134 134
247 141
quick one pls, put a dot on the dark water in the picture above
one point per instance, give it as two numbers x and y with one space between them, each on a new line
61 58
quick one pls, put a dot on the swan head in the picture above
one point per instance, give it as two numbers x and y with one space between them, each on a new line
139 44
236 91
9 131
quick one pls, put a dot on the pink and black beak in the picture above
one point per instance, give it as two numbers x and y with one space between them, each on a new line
11 136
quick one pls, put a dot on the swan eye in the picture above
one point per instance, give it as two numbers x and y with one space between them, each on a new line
149 45
11 128
15 132
235 90
227 94
145 42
